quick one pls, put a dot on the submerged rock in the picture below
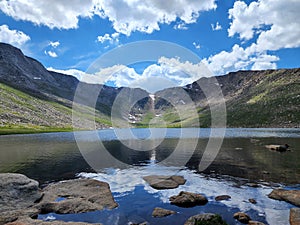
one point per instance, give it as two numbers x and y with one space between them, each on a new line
164 182
188 199
160 212
222 197
242 217
205 219
76 196
290 196
295 216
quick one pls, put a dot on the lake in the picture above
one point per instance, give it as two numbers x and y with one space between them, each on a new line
115 157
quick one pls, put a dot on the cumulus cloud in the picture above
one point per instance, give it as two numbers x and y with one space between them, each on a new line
54 44
59 14
216 26
168 72
273 24
14 37
197 46
112 39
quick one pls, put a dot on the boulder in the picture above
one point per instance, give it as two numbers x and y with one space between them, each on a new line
164 182
17 192
290 196
13 215
29 221
160 212
188 199
222 197
205 219
76 196
242 217
295 216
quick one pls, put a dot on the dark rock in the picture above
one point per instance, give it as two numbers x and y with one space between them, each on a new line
160 212
255 223
187 199
164 182
242 217
278 148
76 196
205 219
254 185
295 216
17 192
29 221
290 196
222 197
252 200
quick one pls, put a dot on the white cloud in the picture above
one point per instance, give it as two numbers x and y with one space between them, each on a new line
216 27
54 44
197 46
180 26
59 14
273 24
51 54
147 15
113 38
14 37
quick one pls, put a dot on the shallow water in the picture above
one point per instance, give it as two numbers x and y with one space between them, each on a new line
242 158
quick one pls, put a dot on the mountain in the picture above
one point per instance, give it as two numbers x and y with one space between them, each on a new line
35 99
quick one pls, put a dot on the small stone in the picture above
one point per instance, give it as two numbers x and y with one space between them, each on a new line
160 212
295 216
252 200
205 219
222 197
241 217
255 223
164 182
188 199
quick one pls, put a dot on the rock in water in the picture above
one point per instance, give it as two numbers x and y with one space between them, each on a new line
295 216
17 192
188 199
222 197
164 182
290 196
76 196
205 219
29 221
255 223
242 217
160 212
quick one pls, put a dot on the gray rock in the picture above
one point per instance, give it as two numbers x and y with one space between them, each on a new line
188 199
251 222
206 218
76 196
222 197
160 212
242 217
290 196
295 216
13 215
17 192
164 182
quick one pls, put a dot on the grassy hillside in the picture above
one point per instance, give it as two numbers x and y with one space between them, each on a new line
23 113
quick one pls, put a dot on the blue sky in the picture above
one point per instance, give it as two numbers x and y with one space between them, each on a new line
68 36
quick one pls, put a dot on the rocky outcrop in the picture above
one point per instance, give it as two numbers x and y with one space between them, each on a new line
242 217
160 212
188 199
164 182
206 218
76 196
29 221
295 216
290 196
222 197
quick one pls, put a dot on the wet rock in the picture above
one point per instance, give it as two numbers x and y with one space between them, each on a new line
290 196
252 200
164 182
255 223
160 212
242 217
295 216
278 148
222 197
29 221
254 185
188 199
76 196
205 219
17 192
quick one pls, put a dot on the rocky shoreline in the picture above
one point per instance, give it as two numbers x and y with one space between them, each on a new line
22 200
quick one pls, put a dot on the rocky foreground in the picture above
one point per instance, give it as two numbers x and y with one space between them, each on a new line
21 200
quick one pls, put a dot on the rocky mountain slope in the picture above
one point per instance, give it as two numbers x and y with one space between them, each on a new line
35 99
